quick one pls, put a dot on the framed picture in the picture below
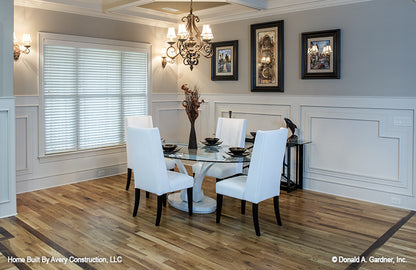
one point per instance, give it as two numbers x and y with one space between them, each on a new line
321 54
267 57
224 62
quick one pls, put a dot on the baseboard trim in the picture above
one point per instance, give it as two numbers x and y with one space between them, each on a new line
24 186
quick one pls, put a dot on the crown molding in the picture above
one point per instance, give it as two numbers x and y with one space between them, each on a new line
125 16
223 15
127 10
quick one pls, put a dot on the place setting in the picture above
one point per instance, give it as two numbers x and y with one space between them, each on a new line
170 148
211 142
238 151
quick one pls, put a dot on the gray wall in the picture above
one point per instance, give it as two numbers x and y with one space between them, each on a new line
377 51
6 48
31 20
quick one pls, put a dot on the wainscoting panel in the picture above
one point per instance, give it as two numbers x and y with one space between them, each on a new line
362 148
34 172
259 116
26 139
7 157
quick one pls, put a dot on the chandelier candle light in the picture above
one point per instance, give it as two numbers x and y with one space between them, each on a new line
190 43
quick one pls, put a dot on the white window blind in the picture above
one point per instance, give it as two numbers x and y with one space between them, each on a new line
87 92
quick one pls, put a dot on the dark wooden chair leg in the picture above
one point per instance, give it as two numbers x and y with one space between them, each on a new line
190 200
159 209
147 194
276 210
219 207
243 207
256 218
165 196
128 178
136 201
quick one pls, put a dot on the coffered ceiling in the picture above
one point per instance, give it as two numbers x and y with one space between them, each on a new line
166 13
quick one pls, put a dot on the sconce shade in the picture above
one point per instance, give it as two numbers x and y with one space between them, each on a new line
27 40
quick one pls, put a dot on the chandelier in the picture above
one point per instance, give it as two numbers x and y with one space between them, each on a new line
190 43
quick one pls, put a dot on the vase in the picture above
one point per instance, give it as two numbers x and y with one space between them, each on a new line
192 137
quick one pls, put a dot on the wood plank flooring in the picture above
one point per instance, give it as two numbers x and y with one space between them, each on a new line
93 219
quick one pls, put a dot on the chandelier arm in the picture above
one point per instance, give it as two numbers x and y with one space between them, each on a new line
206 50
168 52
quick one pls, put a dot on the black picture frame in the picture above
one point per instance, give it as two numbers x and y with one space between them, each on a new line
317 64
267 55
224 68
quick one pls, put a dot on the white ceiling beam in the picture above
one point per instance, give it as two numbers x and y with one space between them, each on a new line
122 4
254 4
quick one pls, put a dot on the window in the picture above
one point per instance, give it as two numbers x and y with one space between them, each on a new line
88 86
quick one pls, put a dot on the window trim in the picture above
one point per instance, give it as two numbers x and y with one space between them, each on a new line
77 41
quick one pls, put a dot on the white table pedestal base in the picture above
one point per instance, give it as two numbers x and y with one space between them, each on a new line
205 206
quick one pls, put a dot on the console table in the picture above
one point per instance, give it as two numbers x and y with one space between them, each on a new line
297 183
289 184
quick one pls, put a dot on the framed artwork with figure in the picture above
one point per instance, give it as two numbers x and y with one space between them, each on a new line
267 57
321 54
224 61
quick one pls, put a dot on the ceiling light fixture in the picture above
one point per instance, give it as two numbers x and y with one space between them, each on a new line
190 43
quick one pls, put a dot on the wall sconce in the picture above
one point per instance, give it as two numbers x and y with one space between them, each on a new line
164 61
164 58
25 48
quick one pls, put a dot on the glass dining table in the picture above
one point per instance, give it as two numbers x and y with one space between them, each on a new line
208 156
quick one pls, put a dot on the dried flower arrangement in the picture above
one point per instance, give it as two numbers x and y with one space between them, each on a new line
191 105
191 102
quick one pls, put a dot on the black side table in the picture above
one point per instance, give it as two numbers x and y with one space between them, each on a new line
291 183
297 183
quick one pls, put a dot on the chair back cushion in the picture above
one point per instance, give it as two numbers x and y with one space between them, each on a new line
147 160
231 131
142 121
263 180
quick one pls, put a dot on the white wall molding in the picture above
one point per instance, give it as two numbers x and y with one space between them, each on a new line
7 157
76 176
377 130
364 148
136 14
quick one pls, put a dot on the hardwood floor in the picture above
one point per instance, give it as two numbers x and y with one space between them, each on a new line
93 219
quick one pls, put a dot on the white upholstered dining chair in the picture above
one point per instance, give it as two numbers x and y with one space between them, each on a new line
232 132
149 169
142 121
263 179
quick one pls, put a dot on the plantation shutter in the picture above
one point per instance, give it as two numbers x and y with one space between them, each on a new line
87 93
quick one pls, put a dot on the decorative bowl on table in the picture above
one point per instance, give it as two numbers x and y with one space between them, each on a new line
237 151
212 141
169 147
